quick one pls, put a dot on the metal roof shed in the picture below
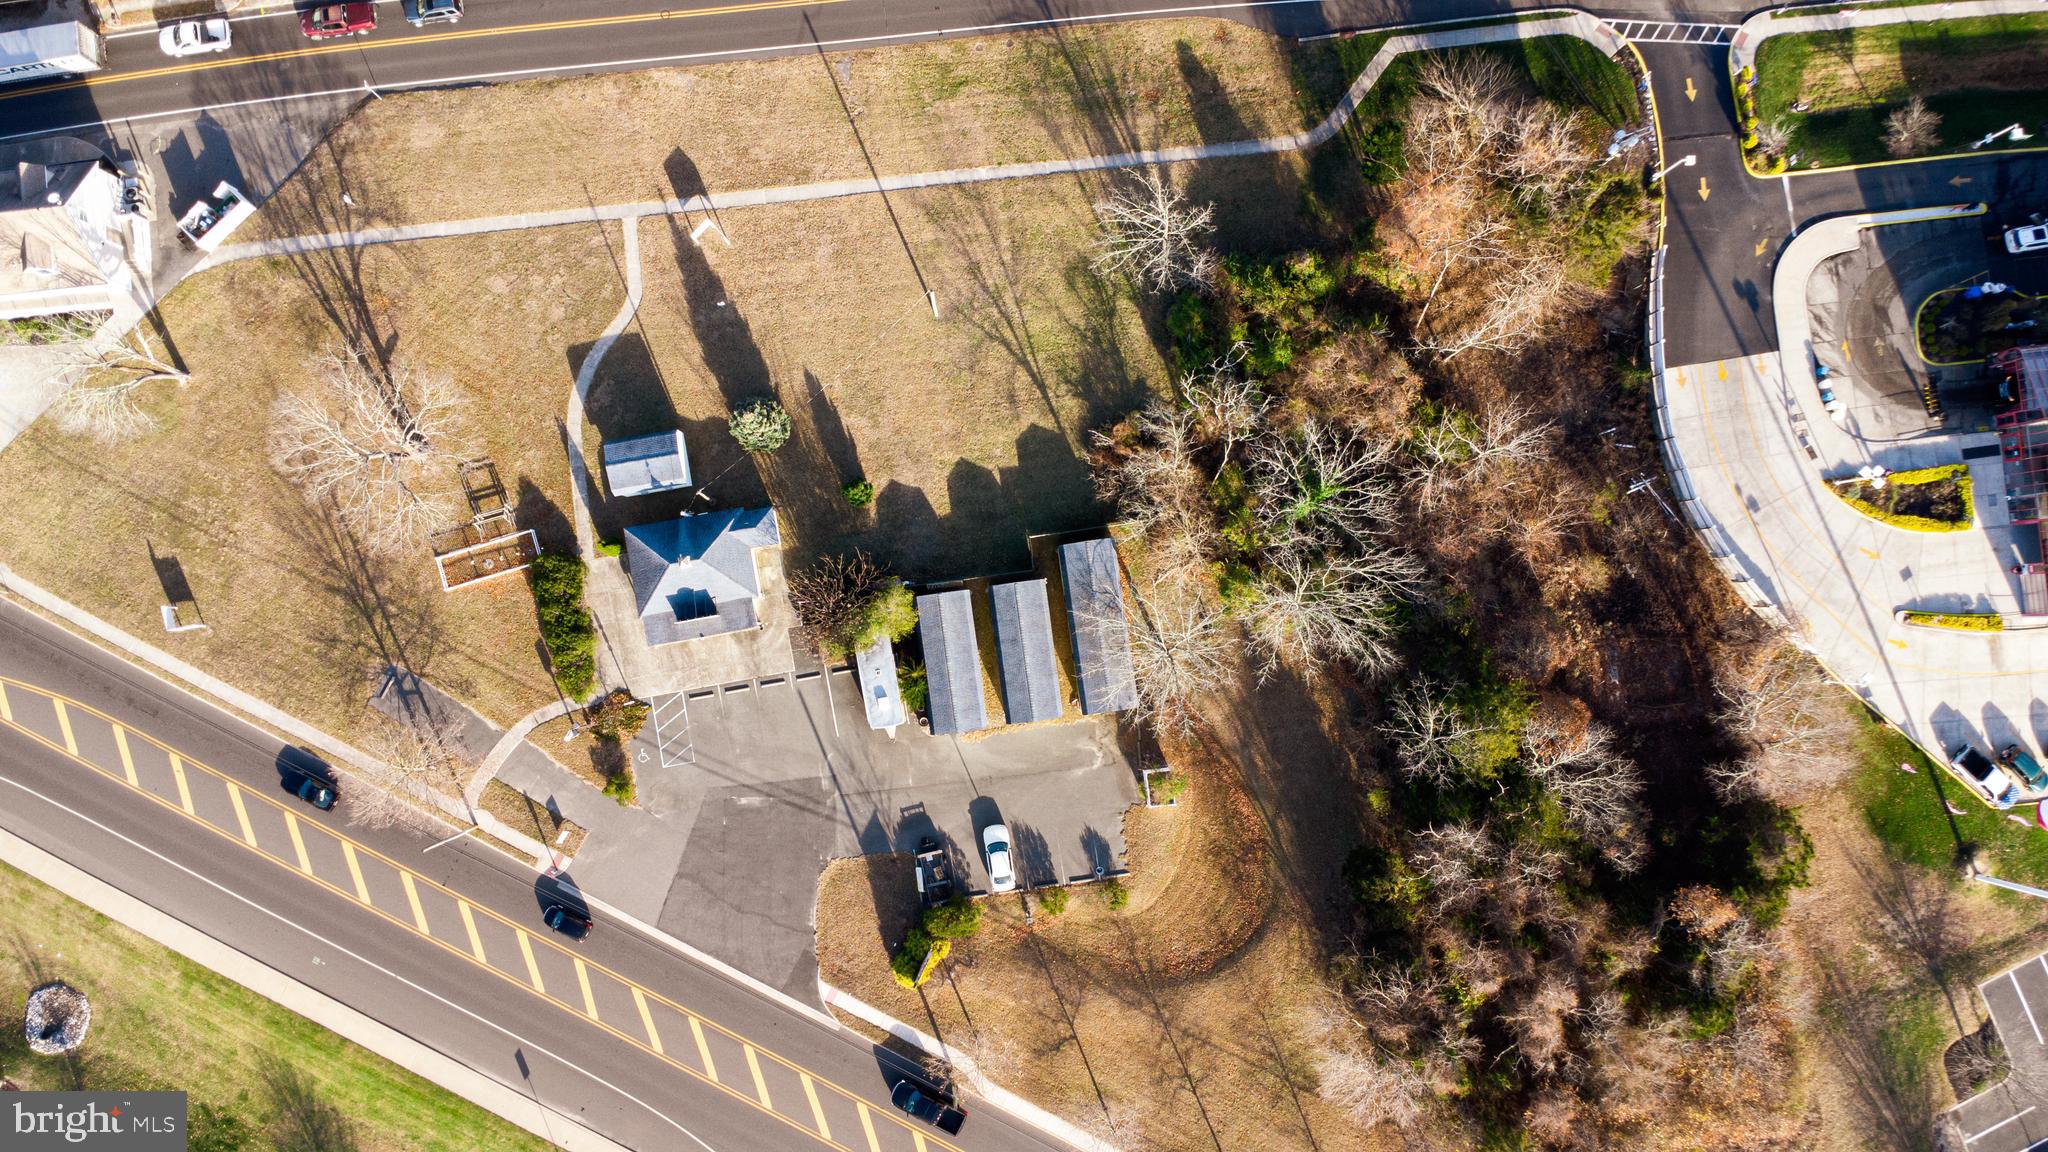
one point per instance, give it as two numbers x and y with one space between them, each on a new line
876 667
952 662
1102 637
646 464
1031 680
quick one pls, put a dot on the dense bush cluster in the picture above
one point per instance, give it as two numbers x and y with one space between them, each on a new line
557 581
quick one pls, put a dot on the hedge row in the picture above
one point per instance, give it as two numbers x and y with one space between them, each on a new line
1960 621
557 581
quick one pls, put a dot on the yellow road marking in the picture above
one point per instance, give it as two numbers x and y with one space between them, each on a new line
419 914
476 942
1704 193
583 978
817 1110
353 847
1691 93
532 969
1846 354
919 1138
291 824
867 1125
1762 244
332 48
647 1020
64 726
6 710
127 760
703 1049
241 813
184 789
1866 551
1897 643
760 1081
355 872
1721 368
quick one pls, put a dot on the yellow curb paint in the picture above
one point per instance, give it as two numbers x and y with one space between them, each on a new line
64 726
867 1125
532 969
355 871
583 980
241 814
817 1109
760 1081
419 914
128 758
476 942
647 1021
703 1050
184 789
291 824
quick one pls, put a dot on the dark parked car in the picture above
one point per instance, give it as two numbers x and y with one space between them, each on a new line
566 920
312 789
331 20
421 12
929 1109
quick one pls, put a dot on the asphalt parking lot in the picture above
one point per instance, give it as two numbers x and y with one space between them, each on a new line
2012 1115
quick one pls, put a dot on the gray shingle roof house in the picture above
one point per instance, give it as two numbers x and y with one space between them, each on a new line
1102 638
952 662
646 464
1031 679
879 689
694 576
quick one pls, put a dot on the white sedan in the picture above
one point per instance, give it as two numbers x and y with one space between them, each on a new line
2032 238
995 841
195 37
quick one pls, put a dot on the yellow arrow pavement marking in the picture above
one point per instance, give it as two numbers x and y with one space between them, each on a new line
476 942
64 726
703 1049
1866 551
1703 188
1691 93
419 914
242 815
1896 643
1958 181
184 789
1762 244
355 872
1846 353
127 758
647 1020
532 969
817 1109
760 1081
1721 368
583 979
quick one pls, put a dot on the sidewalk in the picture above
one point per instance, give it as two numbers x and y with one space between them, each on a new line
1749 38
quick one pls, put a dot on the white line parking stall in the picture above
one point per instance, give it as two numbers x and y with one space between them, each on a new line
672 739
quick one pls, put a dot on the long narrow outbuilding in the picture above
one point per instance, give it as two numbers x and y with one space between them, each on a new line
952 662
1031 677
1102 636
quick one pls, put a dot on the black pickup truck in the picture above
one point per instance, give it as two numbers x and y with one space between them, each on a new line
934 879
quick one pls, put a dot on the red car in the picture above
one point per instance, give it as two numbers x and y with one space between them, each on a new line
331 20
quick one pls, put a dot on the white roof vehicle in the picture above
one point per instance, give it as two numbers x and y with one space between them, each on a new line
207 223
995 840
195 37
2031 238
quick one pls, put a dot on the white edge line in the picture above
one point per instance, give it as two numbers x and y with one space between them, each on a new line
2024 1006
1997 1126
10 842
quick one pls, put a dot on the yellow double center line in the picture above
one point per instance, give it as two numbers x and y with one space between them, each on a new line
351 44
65 708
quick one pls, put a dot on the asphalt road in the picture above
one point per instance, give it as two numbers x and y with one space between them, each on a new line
341 907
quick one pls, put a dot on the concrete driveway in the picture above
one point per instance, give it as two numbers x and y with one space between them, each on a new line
748 789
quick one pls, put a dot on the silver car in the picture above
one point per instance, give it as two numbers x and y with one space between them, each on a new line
195 37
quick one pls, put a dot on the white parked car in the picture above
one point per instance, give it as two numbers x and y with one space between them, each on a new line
2031 238
995 842
195 37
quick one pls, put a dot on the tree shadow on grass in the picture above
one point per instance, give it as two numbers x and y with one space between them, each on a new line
1873 1048
387 617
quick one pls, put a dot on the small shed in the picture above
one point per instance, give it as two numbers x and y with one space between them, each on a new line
1102 637
1031 678
879 690
646 464
952 662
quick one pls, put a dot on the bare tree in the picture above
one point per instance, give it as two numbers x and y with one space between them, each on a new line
1158 489
831 598
1796 723
1447 451
1912 129
1229 407
1179 650
413 761
1309 610
1599 790
1152 234
1432 738
1541 154
1514 309
1774 137
105 402
372 444
1324 487
1352 1073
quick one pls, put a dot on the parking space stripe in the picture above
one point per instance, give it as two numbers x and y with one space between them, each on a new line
355 871
760 1081
1997 1126
867 1125
532 969
419 914
184 789
127 758
2024 1006
703 1048
291 824
476 942
64 726
647 1020
817 1110
583 979
241 811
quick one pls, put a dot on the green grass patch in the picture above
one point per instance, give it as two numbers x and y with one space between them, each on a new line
160 1021
1960 621
1908 811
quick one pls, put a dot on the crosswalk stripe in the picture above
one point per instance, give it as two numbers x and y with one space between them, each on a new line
412 896
184 789
532 969
817 1109
703 1050
583 978
241 813
291 824
64 726
355 872
476 942
647 1020
760 1081
127 758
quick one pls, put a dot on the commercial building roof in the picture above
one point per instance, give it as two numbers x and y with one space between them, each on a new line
1031 679
1102 637
646 464
694 576
952 662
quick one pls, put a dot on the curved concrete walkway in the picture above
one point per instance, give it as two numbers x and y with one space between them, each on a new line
1761 26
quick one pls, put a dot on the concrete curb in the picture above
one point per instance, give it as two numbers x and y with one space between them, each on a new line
1761 26
292 994
995 1094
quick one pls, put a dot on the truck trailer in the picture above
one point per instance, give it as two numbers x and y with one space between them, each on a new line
66 48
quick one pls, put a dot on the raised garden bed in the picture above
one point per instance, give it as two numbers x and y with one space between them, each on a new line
1921 500
1954 329
1958 621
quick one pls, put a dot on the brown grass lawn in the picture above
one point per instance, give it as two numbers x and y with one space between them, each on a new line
719 127
298 614
525 814
1197 980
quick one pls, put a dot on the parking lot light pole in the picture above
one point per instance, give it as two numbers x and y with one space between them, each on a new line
2014 131
1685 161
